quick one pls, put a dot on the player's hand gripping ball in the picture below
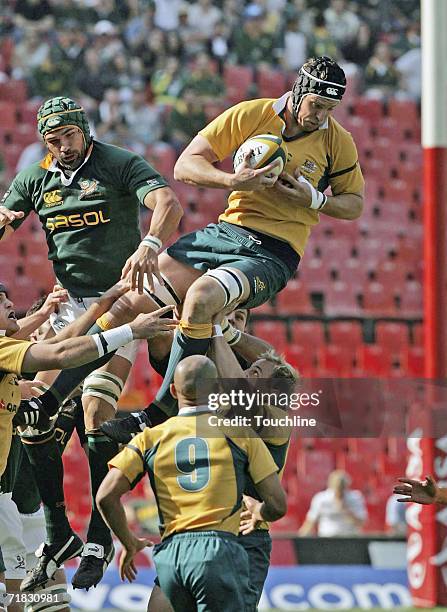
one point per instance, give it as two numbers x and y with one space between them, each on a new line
265 148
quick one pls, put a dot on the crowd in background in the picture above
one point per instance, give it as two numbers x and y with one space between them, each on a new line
146 69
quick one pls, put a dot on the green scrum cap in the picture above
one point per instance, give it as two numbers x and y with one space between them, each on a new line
59 112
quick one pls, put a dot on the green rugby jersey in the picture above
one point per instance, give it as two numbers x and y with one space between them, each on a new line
91 219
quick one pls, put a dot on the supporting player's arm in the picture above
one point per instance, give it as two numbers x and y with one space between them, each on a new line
195 166
167 212
274 500
101 305
108 499
6 218
421 492
72 352
31 322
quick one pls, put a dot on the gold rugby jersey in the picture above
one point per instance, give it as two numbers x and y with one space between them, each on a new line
197 471
325 157
12 353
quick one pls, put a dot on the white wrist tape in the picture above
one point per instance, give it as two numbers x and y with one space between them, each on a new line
217 331
152 242
113 339
230 333
319 199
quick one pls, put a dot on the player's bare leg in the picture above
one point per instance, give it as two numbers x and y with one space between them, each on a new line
158 602
210 294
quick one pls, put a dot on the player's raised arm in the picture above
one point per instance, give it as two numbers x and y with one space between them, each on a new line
165 219
420 492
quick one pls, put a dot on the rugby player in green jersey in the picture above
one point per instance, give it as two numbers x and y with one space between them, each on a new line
87 196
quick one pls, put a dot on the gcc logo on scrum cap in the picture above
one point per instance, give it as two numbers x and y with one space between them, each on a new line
332 91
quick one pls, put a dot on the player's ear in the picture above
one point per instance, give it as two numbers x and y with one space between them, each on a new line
173 390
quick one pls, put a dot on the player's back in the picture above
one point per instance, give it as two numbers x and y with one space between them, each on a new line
198 474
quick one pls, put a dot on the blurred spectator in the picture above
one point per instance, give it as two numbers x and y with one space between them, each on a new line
152 51
191 39
34 11
185 120
143 120
322 42
139 27
203 79
409 67
91 79
166 14
295 45
32 51
342 23
168 82
410 39
204 16
395 520
232 11
106 40
336 511
305 15
381 76
251 44
32 153
359 50
218 45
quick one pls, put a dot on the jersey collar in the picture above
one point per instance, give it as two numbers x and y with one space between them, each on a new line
189 410
66 181
279 106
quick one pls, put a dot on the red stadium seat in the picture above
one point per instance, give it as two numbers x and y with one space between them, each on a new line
355 466
303 359
28 112
411 299
294 299
371 359
392 336
237 79
8 113
369 109
274 332
15 91
341 299
377 300
308 334
318 463
413 360
418 334
403 111
346 333
336 360
271 83
163 157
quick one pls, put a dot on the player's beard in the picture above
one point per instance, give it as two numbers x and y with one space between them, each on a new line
75 159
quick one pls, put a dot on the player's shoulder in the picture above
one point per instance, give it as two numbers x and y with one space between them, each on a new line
337 131
113 153
31 173
258 105
6 341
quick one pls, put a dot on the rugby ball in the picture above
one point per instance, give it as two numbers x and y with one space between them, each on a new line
264 149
